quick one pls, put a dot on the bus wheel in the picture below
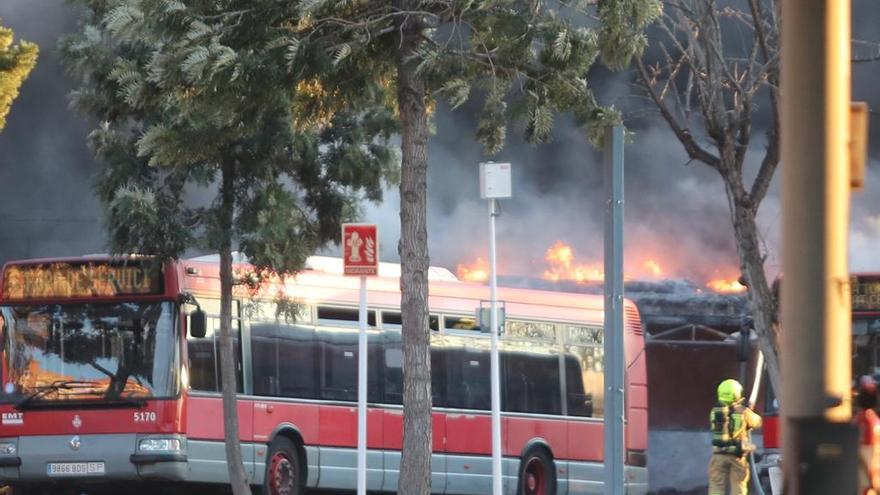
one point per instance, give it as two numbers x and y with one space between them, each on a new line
537 474
284 474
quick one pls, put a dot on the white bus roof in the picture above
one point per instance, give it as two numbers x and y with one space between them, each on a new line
327 264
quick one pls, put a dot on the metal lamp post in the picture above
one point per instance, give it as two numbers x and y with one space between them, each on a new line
494 184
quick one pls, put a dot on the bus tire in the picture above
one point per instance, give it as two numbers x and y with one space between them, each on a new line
537 474
284 469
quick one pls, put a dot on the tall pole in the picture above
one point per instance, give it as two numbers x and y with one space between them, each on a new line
613 345
494 365
816 327
362 391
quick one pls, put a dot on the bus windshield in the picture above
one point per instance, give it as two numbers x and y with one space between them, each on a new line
57 353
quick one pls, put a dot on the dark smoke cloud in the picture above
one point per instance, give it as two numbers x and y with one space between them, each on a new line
45 166
674 209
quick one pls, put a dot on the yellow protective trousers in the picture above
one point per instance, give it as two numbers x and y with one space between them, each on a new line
727 470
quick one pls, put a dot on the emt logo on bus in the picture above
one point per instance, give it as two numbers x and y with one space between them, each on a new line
360 245
90 279
865 294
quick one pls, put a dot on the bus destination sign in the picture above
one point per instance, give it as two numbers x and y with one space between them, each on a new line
866 294
74 280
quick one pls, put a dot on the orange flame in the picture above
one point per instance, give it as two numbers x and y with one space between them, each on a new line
478 271
654 268
562 264
560 256
731 286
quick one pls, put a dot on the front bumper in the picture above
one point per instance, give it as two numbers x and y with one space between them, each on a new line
117 452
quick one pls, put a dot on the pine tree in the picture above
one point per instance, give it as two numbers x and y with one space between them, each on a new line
524 59
202 96
16 62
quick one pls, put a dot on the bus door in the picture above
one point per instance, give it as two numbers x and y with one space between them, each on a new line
204 409
465 370
285 365
337 413
392 441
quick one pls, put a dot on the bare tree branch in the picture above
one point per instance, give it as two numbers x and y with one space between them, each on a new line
771 156
694 150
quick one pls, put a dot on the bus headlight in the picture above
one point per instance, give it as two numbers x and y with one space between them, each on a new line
8 448
159 445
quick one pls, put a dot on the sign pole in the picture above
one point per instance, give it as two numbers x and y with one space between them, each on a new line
613 347
360 257
493 362
494 183
362 391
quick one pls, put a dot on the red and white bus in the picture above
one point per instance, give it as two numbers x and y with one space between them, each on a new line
103 383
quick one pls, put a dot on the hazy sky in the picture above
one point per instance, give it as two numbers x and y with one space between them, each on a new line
675 213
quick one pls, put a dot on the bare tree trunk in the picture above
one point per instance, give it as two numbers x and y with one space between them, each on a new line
415 464
762 303
694 81
237 477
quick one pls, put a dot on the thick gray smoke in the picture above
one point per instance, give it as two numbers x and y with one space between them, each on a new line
676 213
48 208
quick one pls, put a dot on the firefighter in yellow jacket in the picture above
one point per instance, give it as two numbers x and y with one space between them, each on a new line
730 422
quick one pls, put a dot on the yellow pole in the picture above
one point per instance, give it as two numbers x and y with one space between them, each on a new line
816 326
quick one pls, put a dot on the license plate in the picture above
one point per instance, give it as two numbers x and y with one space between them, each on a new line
74 468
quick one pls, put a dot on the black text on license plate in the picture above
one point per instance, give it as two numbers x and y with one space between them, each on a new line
74 468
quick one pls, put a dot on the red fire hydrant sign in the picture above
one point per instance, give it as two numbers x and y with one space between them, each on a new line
360 249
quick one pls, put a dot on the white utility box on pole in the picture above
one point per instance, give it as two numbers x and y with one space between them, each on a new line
494 184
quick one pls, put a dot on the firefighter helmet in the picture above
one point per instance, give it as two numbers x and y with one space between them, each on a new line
729 391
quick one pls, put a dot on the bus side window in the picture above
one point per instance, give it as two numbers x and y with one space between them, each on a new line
584 381
204 356
579 403
467 372
375 370
339 352
339 349
438 377
202 362
284 360
531 383
298 363
393 372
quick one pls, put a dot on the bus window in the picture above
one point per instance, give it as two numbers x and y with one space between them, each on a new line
393 372
284 363
393 379
461 323
339 349
438 377
297 362
531 383
329 315
578 401
584 381
584 368
204 357
393 320
286 310
467 373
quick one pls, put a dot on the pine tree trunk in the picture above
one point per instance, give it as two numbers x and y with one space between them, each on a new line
415 464
237 477
762 302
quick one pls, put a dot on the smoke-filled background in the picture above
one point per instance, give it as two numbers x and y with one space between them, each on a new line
676 213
